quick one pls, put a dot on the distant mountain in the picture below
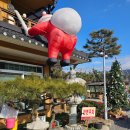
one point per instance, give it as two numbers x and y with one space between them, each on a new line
127 75
126 72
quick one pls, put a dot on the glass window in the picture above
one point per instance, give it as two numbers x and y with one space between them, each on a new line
2 65
6 66
18 67
21 68
39 69
11 67
25 68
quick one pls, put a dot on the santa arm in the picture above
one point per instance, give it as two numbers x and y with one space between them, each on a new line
38 29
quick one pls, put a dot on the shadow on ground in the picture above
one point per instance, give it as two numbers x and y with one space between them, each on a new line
121 124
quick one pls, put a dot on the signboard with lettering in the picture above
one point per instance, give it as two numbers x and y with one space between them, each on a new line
88 112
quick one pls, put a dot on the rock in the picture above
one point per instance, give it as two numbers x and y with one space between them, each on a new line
38 125
73 127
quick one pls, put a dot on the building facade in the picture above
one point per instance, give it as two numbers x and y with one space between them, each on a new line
21 55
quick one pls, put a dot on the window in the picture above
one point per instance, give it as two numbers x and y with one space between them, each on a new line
2 65
20 67
39 69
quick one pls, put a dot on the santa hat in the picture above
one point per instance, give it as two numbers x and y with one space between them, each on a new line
45 17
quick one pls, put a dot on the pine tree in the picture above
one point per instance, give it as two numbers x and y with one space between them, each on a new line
116 95
102 41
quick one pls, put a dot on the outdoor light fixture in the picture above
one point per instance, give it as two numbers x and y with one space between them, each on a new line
29 41
22 39
5 33
36 43
74 101
13 36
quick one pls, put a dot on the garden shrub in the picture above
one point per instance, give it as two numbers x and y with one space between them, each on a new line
63 118
92 128
99 108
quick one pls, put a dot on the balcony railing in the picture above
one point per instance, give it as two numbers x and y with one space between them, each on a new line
11 27
11 18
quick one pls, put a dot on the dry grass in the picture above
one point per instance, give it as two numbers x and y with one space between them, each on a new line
105 122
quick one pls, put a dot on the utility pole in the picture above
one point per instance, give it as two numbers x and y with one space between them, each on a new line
105 96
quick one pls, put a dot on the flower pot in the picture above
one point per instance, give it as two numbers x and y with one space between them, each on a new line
98 125
10 122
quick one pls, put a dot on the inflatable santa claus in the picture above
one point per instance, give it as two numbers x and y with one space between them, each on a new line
60 30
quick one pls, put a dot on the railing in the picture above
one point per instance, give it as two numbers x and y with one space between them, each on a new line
11 18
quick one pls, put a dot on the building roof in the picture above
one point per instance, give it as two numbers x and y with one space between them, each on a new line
15 44
34 8
28 6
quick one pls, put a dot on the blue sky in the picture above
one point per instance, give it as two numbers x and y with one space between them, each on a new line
98 14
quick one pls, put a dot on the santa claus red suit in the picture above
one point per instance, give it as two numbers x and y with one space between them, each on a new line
60 30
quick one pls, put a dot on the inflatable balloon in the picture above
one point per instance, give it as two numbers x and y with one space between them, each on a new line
60 30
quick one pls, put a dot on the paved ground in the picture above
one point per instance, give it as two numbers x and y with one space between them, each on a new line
122 124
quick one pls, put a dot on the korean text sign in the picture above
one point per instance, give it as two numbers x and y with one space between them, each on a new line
88 112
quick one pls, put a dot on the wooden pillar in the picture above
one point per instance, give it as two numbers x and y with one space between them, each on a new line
48 107
65 107
48 110
46 70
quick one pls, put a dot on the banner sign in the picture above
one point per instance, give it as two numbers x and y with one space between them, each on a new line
88 112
